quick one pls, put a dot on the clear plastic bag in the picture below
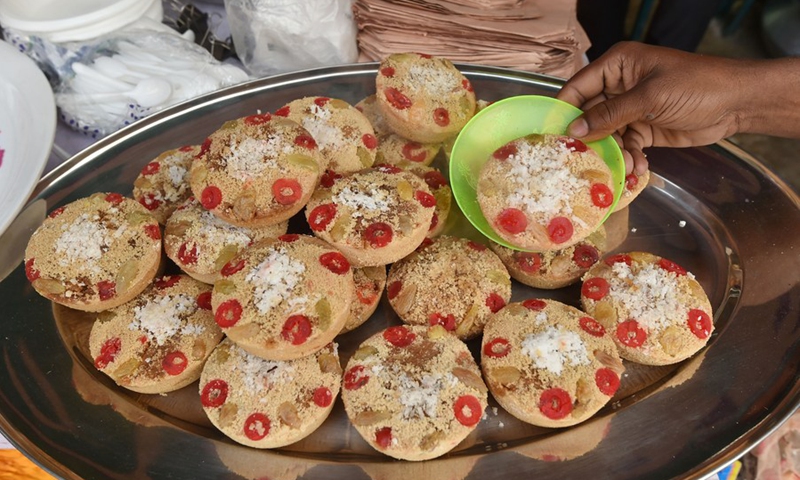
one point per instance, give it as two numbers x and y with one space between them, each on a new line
275 36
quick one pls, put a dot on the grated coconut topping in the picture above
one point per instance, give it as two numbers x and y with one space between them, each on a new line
274 279
554 348
161 317
651 296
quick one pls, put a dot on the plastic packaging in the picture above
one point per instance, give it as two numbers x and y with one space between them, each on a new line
275 36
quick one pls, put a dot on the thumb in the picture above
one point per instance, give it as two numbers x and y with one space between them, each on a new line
608 117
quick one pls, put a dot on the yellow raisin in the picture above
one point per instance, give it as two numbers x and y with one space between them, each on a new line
364 352
224 286
227 254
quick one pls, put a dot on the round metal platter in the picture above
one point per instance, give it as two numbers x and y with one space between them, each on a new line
716 211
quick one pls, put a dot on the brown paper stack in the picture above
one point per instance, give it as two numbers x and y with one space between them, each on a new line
536 35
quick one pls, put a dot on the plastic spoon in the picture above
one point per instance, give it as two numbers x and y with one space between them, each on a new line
502 122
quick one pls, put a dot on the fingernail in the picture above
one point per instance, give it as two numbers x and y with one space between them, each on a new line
578 128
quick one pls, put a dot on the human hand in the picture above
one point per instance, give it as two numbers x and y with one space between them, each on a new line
654 96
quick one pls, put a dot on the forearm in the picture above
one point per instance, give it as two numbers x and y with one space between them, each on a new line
768 94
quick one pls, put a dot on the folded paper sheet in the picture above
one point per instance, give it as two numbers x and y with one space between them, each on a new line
536 35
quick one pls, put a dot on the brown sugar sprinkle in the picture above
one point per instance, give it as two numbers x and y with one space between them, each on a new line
656 310
453 282
201 244
548 363
370 282
94 249
269 403
159 341
413 392
284 299
343 134
257 173
163 183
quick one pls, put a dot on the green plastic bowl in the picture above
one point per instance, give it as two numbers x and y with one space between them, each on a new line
502 122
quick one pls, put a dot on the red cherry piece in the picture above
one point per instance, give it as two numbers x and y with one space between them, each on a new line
232 267
425 55
296 329
441 117
256 426
618 258
369 140
387 71
528 262
106 289
329 178
152 231
699 323
383 437
378 234
289 237
335 262
595 288
399 336
393 289
497 348
283 111
187 256
559 229
355 378
447 321
495 302
228 313
174 363
396 99
321 216
425 199
258 119
214 393
30 270
534 304
321 101
149 201
479 247
143 339
186 148
210 197
585 255
466 85
368 293
512 221
671 266
204 300
434 221
58 211
575 145
468 410
108 352
592 326
306 141
602 196
631 334
286 191
505 151
434 179
386 168
631 180
408 152
555 403
167 281
204 148
426 242
114 198
607 381
151 168
322 397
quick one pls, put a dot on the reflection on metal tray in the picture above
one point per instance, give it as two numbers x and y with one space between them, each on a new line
714 210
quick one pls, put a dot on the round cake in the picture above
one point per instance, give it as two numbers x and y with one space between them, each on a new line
284 299
553 268
375 216
453 282
656 312
163 184
423 98
549 364
94 253
413 393
256 171
200 243
269 403
370 282
159 341
545 192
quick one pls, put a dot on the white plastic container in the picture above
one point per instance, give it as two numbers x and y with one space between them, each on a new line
74 20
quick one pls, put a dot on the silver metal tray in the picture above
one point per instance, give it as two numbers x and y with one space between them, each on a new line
716 211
